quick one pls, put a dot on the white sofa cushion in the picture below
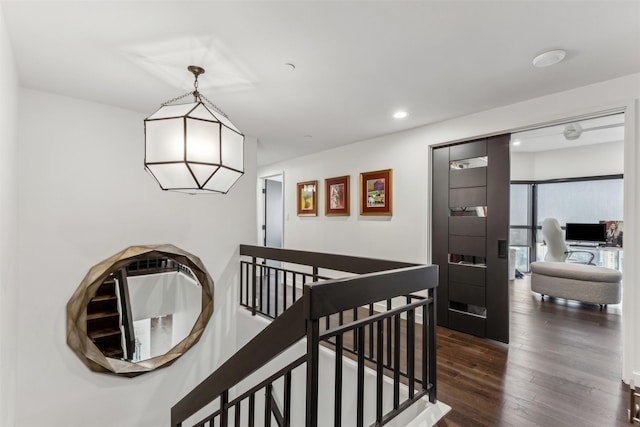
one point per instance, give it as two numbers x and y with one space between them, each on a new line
581 282
567 270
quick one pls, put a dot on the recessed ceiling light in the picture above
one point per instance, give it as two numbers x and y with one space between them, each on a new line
517 142
551 57
400 114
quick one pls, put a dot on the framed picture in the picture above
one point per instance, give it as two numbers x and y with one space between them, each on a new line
336 196
613 233
376 192
307 198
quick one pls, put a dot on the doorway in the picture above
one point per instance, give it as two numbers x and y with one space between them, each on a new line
273 219
272 236
573 172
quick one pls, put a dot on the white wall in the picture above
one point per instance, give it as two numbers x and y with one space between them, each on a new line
378 237
161 294
405 236
84 195
154 295
590 160
8 227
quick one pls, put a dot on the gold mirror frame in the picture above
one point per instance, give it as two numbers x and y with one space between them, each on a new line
87 351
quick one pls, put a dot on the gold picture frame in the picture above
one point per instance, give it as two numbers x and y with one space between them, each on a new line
336 196
307 198
376 193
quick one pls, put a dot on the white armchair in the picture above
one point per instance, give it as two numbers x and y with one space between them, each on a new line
557 250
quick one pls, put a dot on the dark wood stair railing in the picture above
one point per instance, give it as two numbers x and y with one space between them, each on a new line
334 312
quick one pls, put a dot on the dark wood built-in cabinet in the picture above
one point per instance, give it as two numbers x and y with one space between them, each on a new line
470 228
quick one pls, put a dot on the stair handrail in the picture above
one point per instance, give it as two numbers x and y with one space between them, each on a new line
383 279
345 263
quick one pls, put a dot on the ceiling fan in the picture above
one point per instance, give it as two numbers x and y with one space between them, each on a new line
573 131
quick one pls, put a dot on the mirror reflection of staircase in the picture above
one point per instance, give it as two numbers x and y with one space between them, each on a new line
109 308
103 320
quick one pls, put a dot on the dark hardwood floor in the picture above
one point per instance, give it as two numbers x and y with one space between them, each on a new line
562 367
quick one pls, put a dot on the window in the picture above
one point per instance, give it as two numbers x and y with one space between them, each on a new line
575 200
521 233
589 201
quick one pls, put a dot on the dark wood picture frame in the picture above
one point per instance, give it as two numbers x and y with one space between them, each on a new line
376 192
336 196
307 198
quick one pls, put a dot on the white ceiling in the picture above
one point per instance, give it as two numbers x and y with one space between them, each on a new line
356 62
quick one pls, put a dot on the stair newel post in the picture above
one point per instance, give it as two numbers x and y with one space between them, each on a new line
253 286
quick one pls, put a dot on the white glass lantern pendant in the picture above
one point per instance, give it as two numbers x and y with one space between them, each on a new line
193 148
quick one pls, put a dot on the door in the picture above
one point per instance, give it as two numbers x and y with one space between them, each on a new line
272 276
273 219
470 229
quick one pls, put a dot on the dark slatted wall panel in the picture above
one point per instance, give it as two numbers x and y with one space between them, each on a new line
497 245
440 229
470 224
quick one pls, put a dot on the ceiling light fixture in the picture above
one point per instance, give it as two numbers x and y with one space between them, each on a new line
551 57
400 115
516 142
193 147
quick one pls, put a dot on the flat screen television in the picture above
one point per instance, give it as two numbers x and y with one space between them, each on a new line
586 232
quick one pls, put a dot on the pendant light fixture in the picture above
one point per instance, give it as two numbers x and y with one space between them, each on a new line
193 147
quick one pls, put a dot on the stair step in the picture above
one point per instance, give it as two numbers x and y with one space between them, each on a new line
112 351
102 315
100 298
102 333
108 287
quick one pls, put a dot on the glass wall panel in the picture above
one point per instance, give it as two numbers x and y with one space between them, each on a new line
475 162
521 232
520 213
519 237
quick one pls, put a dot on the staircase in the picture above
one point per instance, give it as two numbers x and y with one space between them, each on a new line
367 344
103 320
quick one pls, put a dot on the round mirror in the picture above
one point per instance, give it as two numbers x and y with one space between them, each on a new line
139 310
